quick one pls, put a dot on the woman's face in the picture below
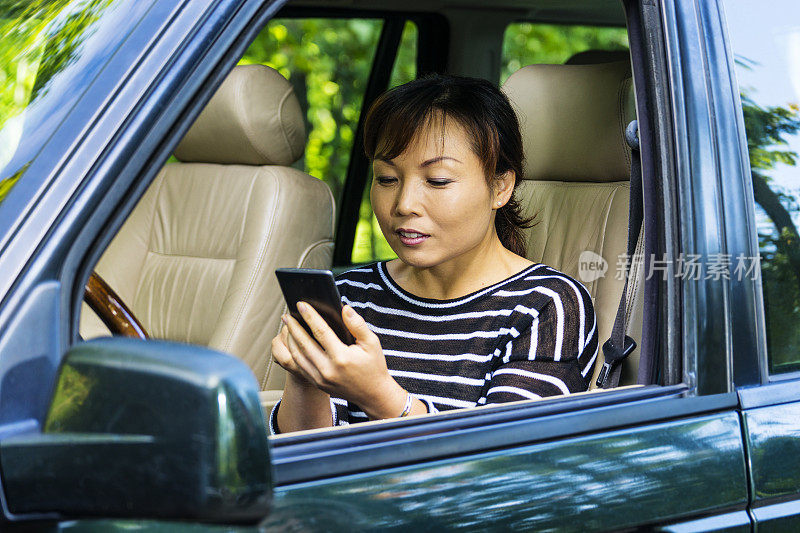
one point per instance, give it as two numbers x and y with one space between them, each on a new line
433 202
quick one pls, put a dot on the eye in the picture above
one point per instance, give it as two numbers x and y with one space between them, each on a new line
385 180
439 182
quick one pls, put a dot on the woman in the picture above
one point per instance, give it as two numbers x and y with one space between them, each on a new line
460 318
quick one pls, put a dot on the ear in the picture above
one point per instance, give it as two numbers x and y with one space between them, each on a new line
503 188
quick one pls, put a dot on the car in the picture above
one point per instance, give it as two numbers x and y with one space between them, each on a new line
169 433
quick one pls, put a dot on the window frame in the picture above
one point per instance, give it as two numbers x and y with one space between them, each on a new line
722 322
330 453
625 407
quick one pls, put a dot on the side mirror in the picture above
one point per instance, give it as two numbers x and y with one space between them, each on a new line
145 429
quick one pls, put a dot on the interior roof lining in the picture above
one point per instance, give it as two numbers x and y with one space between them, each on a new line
578 12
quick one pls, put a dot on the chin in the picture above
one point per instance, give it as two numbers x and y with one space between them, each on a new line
418 258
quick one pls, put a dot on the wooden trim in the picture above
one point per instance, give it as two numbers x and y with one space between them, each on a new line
111 309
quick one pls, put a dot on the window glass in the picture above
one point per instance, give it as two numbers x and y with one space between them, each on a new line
525 43
328 62
49 53
766 49
369 244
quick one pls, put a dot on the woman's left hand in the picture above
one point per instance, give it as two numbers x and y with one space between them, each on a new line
356 372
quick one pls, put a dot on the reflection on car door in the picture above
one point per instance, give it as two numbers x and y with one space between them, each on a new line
516 470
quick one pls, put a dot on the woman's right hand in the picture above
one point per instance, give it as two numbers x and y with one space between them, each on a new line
281 353
303 405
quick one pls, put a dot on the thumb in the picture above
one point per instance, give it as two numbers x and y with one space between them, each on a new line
358 326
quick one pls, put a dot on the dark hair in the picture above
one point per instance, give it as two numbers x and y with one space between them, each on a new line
480 108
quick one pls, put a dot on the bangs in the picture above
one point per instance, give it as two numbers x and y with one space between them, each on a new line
400 116
403 129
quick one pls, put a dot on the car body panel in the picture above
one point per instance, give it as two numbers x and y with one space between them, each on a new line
147 526
665 471
773 445
692 466
376 446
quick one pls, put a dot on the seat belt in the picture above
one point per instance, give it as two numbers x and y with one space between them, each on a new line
620 345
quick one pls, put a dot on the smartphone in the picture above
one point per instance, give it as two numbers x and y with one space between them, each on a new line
318 289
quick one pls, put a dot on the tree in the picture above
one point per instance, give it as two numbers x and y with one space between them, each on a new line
528 43
767 129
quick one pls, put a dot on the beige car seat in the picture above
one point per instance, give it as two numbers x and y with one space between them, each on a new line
577 181
195 260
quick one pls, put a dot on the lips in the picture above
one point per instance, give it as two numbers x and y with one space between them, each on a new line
411 237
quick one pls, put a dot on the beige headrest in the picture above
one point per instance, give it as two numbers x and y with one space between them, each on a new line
253 119
573 120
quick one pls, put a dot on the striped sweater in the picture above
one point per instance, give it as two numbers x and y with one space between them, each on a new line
531 335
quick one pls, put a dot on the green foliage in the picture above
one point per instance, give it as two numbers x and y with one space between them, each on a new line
526 43
7 183
781 300
767 130
369 243
72 390
40 39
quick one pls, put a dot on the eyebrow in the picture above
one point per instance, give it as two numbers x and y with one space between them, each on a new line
425 163
437 159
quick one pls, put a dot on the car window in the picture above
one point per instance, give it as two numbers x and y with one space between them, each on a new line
766 49
49 54
369 243
525 43
328 61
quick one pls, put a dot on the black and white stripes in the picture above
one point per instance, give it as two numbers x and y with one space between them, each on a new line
531 335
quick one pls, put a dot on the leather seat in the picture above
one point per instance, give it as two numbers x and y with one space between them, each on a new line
195 260
577 180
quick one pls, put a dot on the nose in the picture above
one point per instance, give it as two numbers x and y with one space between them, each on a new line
407 201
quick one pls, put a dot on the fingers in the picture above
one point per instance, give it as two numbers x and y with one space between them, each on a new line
304 367
281 353
358 327
306 353
323 333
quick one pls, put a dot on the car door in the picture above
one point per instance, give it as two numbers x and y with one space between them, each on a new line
763 46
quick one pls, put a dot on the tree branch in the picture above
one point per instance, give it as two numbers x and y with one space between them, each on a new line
789 239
